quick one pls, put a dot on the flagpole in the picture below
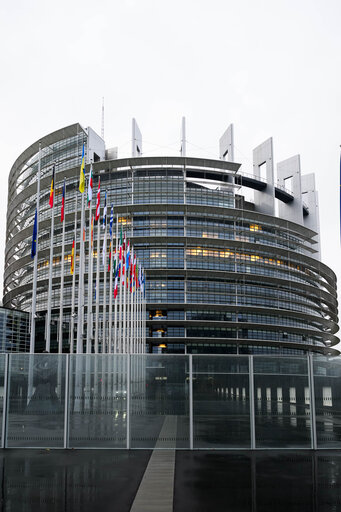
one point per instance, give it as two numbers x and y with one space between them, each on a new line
116 284
104 348
132 301
89 326
144 316
35 263
134 305
60 337
124 329
97 283
120 316
49 296
73 314
110 281
81 285
89 312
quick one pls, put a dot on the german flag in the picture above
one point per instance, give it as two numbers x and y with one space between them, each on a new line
52 188
73 257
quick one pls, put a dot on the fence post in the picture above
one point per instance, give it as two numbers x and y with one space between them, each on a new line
312 401
5 404
128 401
67 399
190 402
252 404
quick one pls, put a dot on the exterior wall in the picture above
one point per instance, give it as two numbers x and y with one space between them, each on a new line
219 278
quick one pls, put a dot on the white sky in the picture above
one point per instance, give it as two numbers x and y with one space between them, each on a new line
271 67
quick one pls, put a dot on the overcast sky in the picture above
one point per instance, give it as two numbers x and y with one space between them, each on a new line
270 67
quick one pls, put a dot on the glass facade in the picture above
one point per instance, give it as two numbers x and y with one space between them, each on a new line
14 330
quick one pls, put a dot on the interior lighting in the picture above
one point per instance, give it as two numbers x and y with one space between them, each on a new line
255 227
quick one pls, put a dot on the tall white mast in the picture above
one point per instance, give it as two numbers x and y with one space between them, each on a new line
49 296
60 335
73 314
110 281
35 264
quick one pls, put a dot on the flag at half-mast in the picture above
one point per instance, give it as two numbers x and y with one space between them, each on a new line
98 200
72 269
52 188
90 186
82 172
34 236
63 205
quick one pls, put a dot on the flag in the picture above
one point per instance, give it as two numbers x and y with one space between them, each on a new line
123 258
52 188
134 272
98 200
72 269
143 289
82 172
116 280
90 185
111 220
121 244
34 236
128 256
63 205
115 262
105 211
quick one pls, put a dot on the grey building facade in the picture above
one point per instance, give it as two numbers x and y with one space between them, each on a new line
224 274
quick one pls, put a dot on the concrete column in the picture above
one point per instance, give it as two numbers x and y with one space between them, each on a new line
265 199
290 169
311 221
136 140
226 145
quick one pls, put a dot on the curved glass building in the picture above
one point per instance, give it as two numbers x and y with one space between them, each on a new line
226 273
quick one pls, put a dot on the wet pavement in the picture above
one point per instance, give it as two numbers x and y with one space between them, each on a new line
103 480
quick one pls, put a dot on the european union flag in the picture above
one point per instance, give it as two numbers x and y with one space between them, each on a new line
34 237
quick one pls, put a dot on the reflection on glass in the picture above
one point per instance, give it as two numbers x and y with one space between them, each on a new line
98 401
221 420
159 401
281 408
327 374
36 390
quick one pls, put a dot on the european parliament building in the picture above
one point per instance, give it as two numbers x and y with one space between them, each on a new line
226 274
241 315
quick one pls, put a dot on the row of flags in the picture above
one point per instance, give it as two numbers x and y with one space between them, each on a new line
124 268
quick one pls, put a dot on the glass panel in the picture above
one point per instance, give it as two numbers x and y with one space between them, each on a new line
327 383
98 401
159 401
2 382
36 401
282 405
221 409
